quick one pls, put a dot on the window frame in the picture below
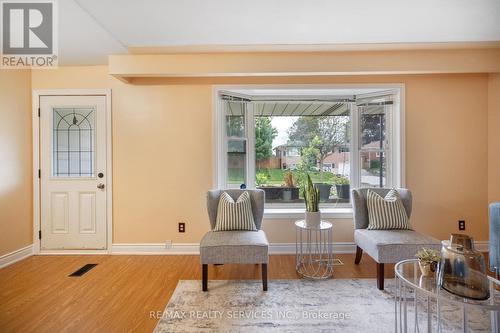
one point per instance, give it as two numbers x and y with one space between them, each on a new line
395 154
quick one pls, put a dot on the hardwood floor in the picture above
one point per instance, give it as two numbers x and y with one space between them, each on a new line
36 294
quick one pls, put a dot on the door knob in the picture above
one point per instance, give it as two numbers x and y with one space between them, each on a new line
100 186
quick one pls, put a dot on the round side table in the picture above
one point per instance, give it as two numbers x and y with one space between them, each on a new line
314 250
421 306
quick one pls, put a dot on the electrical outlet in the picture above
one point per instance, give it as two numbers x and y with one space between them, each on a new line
461 225
168 244
182 227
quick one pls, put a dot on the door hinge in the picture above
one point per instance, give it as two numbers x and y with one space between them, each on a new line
39 234
38 112
39 173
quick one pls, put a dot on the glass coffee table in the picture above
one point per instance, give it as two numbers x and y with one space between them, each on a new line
314 250
421 306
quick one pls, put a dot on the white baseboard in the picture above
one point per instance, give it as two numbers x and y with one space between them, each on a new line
194 248
15 256
181 248
155 248
71 252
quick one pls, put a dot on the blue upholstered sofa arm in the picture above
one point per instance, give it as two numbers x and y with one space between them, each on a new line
495 237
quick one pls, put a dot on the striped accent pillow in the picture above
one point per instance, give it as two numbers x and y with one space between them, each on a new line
386 213
234 215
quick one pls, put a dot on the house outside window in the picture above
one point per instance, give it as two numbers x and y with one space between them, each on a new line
342 141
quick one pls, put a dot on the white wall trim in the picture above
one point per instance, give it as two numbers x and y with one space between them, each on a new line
15 256
36 165
397 138
176 249
71 252
298 213
155 248
194 248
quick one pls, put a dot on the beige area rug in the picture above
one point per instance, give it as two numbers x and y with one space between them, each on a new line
336 305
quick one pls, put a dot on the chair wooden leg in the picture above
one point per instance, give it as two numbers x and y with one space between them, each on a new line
380 276
359 253
264 277
204 277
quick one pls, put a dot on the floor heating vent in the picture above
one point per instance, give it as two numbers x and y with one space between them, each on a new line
84 269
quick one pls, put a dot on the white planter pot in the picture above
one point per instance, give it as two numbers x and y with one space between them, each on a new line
313 219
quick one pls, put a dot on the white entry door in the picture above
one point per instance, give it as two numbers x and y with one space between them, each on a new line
73 172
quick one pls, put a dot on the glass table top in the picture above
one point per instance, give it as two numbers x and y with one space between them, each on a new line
323 225
409 272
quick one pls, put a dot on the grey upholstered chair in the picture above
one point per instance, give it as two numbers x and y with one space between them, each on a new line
494 255
386 246
235 247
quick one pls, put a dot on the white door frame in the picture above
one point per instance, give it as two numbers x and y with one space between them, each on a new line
36 166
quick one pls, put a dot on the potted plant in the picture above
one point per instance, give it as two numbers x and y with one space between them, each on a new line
262 178
290 190
324 190
428 260
343 187
311 197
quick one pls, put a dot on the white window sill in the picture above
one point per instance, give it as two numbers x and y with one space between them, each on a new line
298 213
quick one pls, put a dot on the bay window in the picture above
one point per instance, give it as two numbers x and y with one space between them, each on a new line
272 138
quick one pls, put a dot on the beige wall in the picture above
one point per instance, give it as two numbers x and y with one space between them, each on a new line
15 160
494 138
162 159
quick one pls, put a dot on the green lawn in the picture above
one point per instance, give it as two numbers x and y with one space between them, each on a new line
275 176
236 175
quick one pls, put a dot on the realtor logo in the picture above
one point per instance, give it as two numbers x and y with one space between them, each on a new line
28 34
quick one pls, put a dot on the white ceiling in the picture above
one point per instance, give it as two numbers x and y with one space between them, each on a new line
82 41
92 29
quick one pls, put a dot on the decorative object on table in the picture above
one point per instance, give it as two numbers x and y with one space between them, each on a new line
386 213
385 246
428 260
462 269
314 250
311 197
238 246
343 187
